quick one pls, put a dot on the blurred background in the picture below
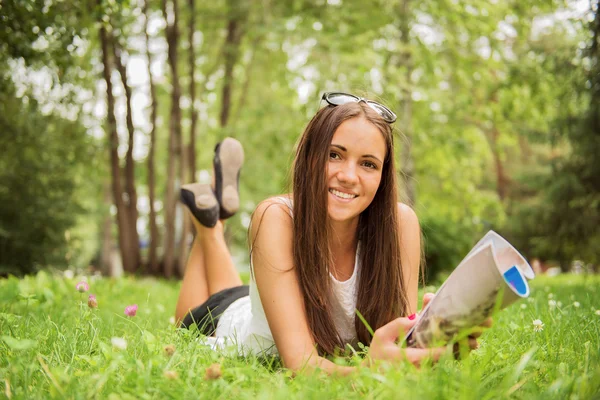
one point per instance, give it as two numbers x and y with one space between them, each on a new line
108 106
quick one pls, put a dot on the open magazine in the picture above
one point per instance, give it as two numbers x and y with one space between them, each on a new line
492 276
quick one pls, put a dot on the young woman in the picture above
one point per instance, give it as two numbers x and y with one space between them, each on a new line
340 243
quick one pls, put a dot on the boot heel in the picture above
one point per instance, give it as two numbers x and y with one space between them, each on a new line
202 203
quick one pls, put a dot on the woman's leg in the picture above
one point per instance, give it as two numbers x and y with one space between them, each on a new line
209 269
220 271
194 287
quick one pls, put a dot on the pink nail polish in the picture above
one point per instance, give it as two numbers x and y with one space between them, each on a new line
411 317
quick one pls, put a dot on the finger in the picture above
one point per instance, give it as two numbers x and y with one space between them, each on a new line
473 344
478 330
416 356
460 349
475 333
393 329
427 297
394 353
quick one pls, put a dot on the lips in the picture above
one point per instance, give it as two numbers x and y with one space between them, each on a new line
342 195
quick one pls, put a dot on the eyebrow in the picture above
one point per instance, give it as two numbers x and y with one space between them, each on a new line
364 155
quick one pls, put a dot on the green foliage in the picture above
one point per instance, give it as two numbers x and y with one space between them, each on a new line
488 82
39 31
44 170
556 210
53 346
574 193
48 178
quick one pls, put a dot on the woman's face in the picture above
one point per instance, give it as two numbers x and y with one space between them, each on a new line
356 156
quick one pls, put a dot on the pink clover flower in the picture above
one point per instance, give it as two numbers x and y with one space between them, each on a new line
131 310
82 287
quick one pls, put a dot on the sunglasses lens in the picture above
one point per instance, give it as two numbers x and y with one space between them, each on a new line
337 99
385 112
340 98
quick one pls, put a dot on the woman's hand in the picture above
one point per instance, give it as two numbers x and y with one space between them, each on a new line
384 345
471 340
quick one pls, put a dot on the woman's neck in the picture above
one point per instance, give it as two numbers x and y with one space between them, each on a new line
343 242
344 233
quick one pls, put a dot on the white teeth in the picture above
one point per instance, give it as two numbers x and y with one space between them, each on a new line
342 194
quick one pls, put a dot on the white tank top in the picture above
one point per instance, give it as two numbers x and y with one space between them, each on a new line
245 325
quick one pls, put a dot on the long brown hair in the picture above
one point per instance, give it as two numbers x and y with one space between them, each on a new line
381 288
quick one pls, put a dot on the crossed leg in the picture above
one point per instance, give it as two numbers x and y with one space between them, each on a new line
209 269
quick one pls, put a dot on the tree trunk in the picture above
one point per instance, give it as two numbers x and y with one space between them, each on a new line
502 181
525 148
112 261
407 166
501 178
172 35
129 163
192 67
247 79
188 154
154 239
230 52
106 265
231 49
185 222
115 168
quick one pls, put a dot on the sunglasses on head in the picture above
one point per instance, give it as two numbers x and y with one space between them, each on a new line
337 99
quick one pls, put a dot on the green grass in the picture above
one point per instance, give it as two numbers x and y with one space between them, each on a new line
53 346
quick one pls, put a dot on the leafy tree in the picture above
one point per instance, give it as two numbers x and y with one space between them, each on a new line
478 91
562 224
47 168
44 168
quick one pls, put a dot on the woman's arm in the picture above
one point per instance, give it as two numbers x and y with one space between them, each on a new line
279 290
410 252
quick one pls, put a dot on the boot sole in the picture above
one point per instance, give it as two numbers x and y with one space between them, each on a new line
231 155
202 202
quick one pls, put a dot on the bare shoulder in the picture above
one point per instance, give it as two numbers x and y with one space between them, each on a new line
408 221
273 202
271 226
269 211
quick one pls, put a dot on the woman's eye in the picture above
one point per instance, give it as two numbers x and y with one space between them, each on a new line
334 155
369 164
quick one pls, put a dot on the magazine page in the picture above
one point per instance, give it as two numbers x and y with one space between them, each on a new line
503 247
470 294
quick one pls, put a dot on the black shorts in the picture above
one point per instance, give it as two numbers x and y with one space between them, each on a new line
207 315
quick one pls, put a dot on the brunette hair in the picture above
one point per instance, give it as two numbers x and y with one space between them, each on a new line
381 288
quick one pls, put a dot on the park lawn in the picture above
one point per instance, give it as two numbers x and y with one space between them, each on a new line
53 346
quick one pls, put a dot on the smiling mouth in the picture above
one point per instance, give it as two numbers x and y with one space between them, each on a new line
342 195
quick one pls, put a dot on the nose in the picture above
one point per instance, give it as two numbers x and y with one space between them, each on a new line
347 174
